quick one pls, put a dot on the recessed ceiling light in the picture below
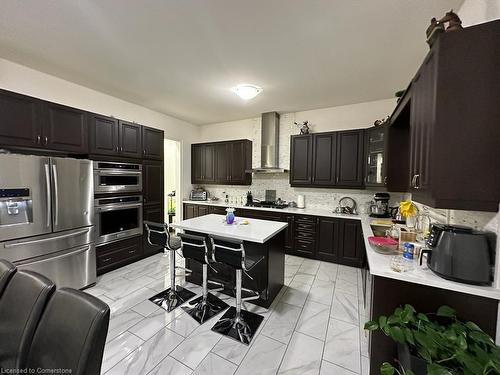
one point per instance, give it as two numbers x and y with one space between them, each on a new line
247 91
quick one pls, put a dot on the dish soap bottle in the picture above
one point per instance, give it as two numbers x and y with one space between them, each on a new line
230 215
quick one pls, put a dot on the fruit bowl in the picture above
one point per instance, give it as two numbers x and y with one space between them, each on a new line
383 245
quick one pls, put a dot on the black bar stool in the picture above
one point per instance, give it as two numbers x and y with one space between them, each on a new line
169 299
237 323
207 305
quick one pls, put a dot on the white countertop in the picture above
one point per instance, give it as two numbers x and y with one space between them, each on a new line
379 263
256 231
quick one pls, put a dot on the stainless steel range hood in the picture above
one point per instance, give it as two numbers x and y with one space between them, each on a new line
269 149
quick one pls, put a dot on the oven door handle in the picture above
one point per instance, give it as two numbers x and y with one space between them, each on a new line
117 172
16 244
117 207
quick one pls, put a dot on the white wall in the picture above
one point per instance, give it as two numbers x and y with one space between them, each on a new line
473 12
31 82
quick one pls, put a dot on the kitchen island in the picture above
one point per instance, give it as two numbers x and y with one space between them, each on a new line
260 238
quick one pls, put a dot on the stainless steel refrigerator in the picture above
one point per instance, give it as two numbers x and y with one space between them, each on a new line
47 217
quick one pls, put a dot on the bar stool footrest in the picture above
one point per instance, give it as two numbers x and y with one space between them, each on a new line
169 300
242 330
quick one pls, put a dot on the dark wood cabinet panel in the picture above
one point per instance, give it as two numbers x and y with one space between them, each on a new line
223 163
155 214
350 158
65 129
130 140
20 120
351 244
289 233
117 254
152 143
301 155
324 159
152 180
203 210
328 239
190 211
218 210
103 135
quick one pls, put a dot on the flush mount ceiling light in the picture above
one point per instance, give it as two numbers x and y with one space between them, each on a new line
247 91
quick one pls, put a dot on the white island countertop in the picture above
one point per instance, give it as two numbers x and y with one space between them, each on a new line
255 231
380 264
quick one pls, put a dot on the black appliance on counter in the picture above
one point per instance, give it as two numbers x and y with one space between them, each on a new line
460 254
268 204
380 206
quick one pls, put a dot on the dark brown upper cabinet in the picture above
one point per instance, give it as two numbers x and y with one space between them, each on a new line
223 163
452 127
376 165
332 159
152 143
301 157
324 159
65 129
350 159
20 120
30 122
152 180
130 139
103 134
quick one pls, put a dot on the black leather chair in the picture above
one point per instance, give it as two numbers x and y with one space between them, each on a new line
207 305
71 334
21 307
173 297
7 270
237 323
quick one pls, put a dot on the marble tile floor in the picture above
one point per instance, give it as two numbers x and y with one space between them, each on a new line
313 327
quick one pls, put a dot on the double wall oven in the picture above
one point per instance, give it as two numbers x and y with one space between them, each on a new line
117 201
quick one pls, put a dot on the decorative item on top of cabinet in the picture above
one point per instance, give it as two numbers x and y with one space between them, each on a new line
223 163
303 127
152 143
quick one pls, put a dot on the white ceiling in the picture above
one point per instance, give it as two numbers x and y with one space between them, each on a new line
181 57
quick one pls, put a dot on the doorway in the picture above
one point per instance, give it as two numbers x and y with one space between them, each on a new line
172 183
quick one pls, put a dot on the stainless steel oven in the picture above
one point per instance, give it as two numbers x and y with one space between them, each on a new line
117 218
114 177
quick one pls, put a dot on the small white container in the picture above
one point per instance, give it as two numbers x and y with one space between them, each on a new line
301 201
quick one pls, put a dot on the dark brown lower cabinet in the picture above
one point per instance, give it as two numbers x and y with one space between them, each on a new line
195 210
203 210
328 239
351 243
117 254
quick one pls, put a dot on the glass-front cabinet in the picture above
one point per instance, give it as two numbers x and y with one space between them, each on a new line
375 156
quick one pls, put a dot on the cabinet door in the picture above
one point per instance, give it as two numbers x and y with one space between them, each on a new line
152 143
65 128
20 120
376 141
328 239
203 210
324 159
190 211
351 249
289 233
301 160
350 158
130 139
152 180
222 163
208 165
103 133
196 164
155 214
218 210
421 124
237 165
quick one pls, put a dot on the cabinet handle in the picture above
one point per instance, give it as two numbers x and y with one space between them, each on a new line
417 181
38 139
131 252
121 148
144 152
385 180
106 260
413 181
46 140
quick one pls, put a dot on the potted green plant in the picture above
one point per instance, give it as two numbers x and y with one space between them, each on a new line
437 344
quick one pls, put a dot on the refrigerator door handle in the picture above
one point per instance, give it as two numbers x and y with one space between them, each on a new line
56 196
47 187
16 244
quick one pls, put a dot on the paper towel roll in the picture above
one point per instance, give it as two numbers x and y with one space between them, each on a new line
301 201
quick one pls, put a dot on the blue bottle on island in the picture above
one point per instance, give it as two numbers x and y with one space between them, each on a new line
230 215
